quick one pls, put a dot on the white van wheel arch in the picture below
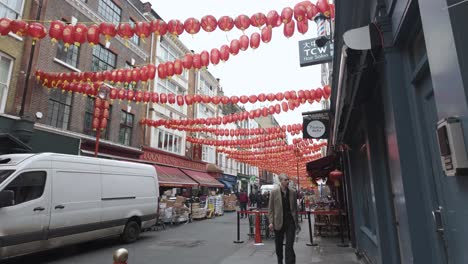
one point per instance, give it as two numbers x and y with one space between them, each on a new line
131 231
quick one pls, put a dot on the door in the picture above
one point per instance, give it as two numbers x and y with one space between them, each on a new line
429 160
76 202
27 220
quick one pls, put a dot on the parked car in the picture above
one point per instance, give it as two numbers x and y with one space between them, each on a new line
50 200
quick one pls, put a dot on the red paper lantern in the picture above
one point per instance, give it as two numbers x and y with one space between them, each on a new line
180 100
178 68
242 22
155 98
243 99
286 15
122 94
225 23
162 98
162 71
318 94
258 20
187 61
234 99
253 99
209 23
171 98
142 29
127 76
277 108
272 19
19 27
130 95
266 34
285 107
188 99
197 98
175 27
169 69
299 12
244 42
261 97
335 174
125 31
234 47
225 100
288 29
108 30
139 96
326 91
303 26
205 59
151 71
192 25
36 31
264 112
279 96
144 74
332 11
224 52
255 40
92 35
136 76
5 26
55 30
214 56
67 36
159 27
80 34
197 61
113 93
215 100
323 7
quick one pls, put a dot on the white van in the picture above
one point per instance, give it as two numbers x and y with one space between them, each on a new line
49 200
267 188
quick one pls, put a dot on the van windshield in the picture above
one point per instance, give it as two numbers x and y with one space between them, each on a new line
4 174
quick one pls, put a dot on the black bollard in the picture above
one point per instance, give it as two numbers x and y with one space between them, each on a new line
238 241
341 232
311 237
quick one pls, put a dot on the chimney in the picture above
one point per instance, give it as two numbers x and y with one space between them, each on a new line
147 7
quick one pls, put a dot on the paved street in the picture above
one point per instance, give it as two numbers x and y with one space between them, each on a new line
208 242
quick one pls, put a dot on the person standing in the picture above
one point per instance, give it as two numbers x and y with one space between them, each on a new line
282 214
243 200
252 199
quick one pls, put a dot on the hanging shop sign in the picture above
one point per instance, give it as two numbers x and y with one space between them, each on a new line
316 124
311 54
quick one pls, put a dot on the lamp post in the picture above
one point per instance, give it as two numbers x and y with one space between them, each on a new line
100 115
298 154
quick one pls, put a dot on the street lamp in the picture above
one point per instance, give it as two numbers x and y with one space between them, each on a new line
100 115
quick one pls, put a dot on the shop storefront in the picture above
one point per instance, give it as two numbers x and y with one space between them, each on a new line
229 181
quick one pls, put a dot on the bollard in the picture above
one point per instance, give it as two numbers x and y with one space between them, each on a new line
120 256
238 241
258 232
341 231
311 236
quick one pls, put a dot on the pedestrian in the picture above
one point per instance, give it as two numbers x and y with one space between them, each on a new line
252 199
243 200
282 214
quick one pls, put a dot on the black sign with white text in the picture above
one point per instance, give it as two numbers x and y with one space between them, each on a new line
316 124
310 54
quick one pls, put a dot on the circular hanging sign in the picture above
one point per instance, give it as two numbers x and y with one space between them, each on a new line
316 129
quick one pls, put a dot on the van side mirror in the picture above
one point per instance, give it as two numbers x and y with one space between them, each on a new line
7 198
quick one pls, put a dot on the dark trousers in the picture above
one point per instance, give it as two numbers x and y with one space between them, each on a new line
289 228
243 208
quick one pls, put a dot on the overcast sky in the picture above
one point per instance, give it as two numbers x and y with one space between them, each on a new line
273 67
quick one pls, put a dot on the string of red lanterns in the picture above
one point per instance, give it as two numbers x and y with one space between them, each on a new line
237 142
293 129
80 33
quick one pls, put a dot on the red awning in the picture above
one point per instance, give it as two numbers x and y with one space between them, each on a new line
203 178
173 177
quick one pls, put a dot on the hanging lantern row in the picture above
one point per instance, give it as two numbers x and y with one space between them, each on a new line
80 33
236 142
313 147
275 153
252 114
100 114
294 128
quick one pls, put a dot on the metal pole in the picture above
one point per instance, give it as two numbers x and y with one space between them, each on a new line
28 71
98 135
341 231
238 241
311 237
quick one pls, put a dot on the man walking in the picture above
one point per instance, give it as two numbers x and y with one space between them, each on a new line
282 213
243 200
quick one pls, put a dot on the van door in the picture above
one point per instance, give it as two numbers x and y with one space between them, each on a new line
27 220
76 203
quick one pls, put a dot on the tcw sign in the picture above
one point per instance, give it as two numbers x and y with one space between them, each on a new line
310 54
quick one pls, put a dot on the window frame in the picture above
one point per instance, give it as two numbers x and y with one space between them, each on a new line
103 4
163 136
68 102
99 60
20 175
19 13
126 128
4 96
63 56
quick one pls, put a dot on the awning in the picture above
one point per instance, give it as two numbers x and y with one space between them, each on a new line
227 184
173 177
10 144
321 167
203 178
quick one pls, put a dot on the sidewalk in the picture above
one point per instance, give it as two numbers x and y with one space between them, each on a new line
327 251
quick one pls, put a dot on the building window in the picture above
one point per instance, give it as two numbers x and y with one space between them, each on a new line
206 88
126 127
88 125
103 59
69 56
169 142
135 39
6 65
58 112
110 11
11 8
208 154
167 86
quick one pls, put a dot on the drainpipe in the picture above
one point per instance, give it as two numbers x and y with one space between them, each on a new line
338 95
28 71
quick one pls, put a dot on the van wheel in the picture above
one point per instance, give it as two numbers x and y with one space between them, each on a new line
131 232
